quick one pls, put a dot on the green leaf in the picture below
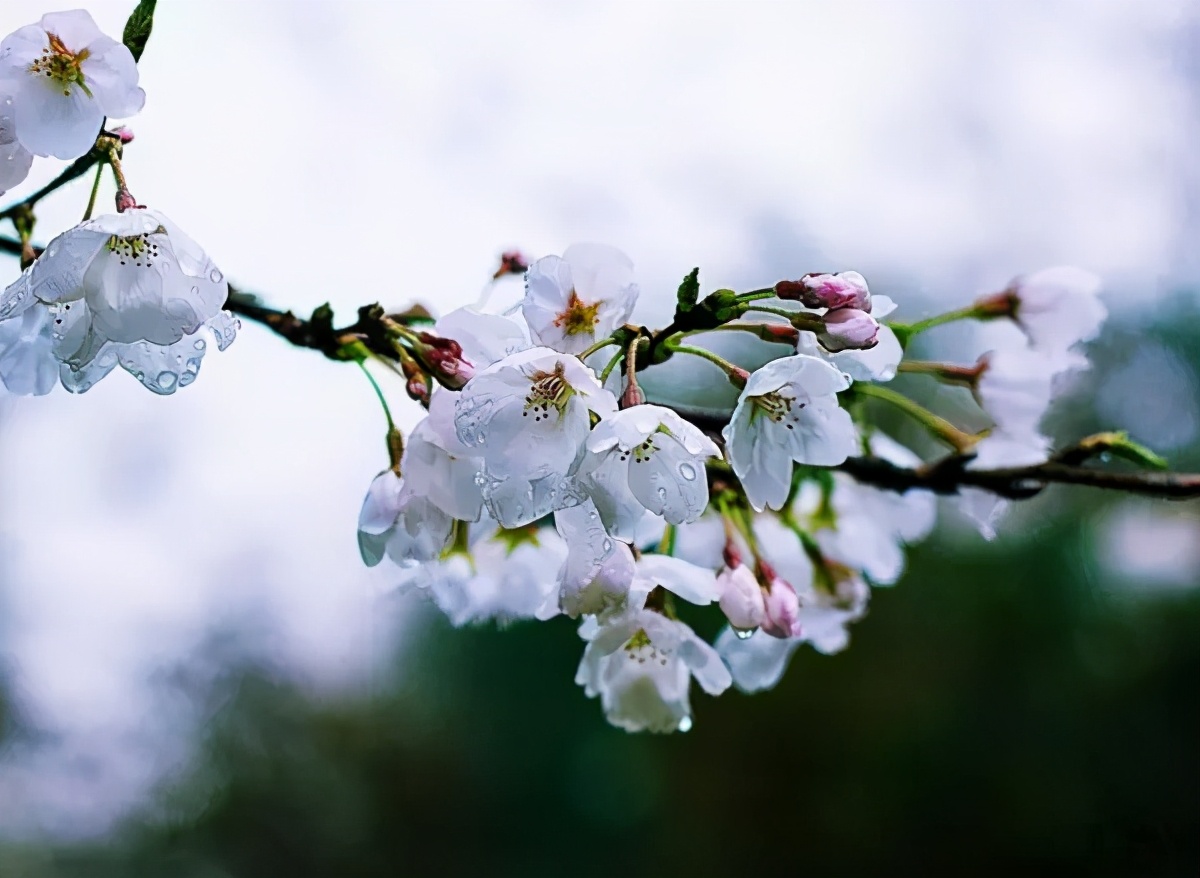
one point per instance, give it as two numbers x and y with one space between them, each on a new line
137 28
689 292
1116 443
1135 452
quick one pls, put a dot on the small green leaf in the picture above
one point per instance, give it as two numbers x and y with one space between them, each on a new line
1135 452
689 292
137 28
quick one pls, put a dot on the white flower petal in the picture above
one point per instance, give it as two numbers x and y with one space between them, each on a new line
27 363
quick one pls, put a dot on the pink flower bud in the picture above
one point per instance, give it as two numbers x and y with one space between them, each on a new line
511 262
125 135
444 357
848 289
741 599
782 607
848 328
632 395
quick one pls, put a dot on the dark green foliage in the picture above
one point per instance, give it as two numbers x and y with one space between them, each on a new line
138 27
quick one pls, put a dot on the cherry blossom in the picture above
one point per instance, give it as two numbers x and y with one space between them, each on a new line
598 571
130 290
573 301
1056 307
1015 387
15 160
504 575
640 665
788 411
646 458
65 77
864 527
438 466
400 524
528 416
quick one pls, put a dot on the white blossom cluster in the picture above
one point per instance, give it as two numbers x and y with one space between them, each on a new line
570 462
128 289
539 489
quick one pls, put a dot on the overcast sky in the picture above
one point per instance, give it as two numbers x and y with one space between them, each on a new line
354 151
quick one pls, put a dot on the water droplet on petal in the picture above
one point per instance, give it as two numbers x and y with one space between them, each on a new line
687 471
215 276
166 380
199 344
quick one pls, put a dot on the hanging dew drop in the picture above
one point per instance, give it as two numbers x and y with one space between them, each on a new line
685 724
743 633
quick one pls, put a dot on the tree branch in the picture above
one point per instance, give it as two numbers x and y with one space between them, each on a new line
947 476
73 171
1017 483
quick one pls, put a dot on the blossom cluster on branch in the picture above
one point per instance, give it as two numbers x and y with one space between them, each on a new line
571 461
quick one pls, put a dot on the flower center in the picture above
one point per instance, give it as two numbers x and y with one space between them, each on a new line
61 65
138 249
776 406
577 318
514 537
639 649
549 390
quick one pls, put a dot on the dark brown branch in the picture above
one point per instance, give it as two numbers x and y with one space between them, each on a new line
1017 483
318 333
73 171
947 476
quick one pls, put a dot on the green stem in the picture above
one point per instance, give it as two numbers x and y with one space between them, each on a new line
91 205
908 330
736 375
612 364
666 546
598 346
379 393
938 426
946 372
768 293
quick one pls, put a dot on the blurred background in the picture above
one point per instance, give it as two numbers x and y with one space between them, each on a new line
197 676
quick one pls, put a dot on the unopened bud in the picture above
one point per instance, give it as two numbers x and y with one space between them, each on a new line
632 395
849 329
1002 304
126 201
444 357
742 599
511 262
123 134
418 389
780 333
847 289
782 606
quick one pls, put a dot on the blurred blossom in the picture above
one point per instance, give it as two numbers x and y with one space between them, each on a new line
1150 546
